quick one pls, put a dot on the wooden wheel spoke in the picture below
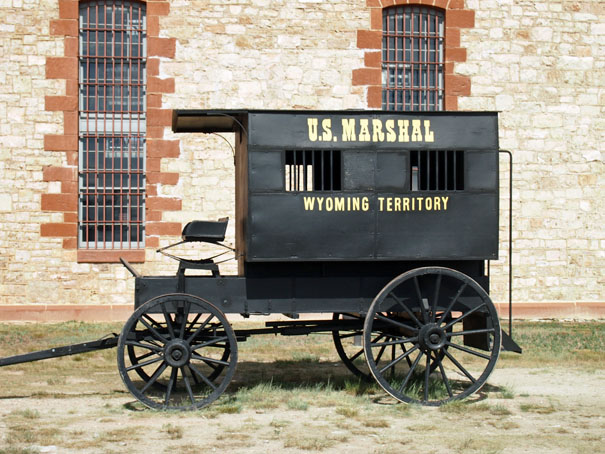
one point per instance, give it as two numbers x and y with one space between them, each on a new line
463 316
171 383
435 298
471 331
407 309
146 363
193 322
395 342
199 329
185 315
399 358
427 372
469 351
209 360
153 347
169 320
346 336
188 385
423 309
411 372
445 380
210 343
154 377
459 366
202 376
194 376
395 322
150 327
452 303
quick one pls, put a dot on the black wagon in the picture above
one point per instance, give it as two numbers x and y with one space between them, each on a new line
385 221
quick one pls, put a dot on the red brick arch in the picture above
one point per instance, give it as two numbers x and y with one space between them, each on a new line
66 202
457 17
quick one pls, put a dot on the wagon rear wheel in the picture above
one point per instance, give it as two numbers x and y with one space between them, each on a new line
348 343
440 336
177 352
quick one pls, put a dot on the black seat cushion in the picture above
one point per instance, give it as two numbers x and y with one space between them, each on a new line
208 231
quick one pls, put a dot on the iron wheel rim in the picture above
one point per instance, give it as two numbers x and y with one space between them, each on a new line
177 352
440 366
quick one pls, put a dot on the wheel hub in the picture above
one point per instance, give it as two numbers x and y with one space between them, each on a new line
177 353
431 337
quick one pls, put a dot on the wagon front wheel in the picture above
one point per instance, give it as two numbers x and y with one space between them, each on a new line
431 335
177 352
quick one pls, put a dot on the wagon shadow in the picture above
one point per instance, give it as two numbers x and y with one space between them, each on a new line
292 375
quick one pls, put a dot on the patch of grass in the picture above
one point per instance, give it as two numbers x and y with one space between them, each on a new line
347 412
122 434
309 441
553 342
24 414
507 393
17 450
297 404
537 408
173 432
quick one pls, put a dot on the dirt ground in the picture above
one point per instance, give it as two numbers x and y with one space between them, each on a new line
520 410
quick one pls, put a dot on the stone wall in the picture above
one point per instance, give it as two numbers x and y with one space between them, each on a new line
539 62
542 64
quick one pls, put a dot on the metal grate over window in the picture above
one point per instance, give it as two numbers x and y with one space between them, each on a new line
412 58
112 124
437 170
313 170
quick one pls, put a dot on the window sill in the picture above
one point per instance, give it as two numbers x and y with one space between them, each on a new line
113 256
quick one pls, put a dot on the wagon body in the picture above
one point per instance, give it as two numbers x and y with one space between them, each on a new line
323 186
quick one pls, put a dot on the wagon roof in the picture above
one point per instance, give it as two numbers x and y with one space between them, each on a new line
230 120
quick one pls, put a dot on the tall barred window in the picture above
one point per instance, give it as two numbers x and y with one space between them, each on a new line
112 124
412 58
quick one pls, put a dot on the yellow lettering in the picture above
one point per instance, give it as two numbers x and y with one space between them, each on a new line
403 130
365 204
364 131
326 124
309 203
320 201
428 203
437 203
348 130
329 204
413 204
356 204
445 200
377 134
380 203
416 132
397 206
389 204
420 199
339 204
312 126
429 136
390 126
406 204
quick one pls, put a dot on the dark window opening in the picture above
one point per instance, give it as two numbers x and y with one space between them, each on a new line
313 170
437 170
413 51
112 124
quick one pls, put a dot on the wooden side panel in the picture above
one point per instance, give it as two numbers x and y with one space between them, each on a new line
241 194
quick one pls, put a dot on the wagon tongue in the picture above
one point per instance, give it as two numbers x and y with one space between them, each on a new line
109 341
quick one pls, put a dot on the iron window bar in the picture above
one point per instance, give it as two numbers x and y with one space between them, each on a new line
112 124
413 58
